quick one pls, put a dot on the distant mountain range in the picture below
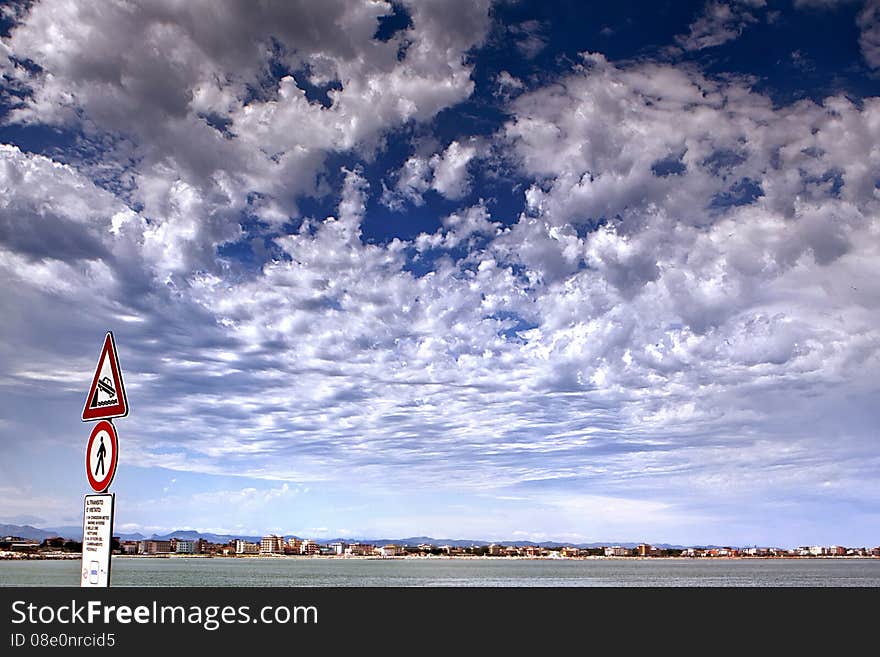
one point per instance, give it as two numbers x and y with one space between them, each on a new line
26 531
75 533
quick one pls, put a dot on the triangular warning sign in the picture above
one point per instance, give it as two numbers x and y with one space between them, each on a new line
106 398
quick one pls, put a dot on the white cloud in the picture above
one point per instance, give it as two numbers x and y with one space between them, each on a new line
541 344
191 124
457 228
869 38
614 142
528 38
446 173
450 170
719 23
507 85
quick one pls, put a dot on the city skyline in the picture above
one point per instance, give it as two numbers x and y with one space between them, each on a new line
193 541
530 271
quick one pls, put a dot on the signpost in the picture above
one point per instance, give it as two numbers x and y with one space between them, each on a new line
105 400
97 537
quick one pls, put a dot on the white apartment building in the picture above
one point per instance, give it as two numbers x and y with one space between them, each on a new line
391 551
272 544
246 547
617 551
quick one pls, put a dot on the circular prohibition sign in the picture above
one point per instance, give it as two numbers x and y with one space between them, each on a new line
102 453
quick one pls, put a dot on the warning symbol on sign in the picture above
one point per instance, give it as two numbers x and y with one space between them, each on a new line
102 453
106 398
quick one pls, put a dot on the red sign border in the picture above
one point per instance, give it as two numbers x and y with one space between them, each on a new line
107 412
104 484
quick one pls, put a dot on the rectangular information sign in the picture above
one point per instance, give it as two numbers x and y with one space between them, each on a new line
97 535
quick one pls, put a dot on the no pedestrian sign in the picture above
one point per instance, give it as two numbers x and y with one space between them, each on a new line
102 453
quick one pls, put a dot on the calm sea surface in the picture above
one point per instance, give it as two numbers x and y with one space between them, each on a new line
455 572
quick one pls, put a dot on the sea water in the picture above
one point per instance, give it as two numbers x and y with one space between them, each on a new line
128 571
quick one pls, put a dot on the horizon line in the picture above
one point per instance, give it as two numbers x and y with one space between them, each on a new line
596 543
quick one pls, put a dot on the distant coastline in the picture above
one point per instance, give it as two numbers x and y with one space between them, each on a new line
31 543
47 556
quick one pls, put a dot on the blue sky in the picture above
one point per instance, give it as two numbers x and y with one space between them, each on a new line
514 270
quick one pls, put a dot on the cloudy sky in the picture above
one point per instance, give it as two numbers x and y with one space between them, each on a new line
522 270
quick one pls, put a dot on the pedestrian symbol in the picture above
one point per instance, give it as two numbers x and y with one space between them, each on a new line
102 454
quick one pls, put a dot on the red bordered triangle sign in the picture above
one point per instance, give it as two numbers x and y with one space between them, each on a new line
106 398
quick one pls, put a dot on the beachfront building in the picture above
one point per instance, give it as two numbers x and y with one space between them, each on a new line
272 544
246 547
309 547
497 550
154 547
723 552
294 545
18 544
391 551
360 549
184 546
337 548
617 551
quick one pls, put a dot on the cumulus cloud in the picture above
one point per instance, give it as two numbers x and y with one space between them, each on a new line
603 331
458 228
445 173
507 85
192 101
604 146
594 142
